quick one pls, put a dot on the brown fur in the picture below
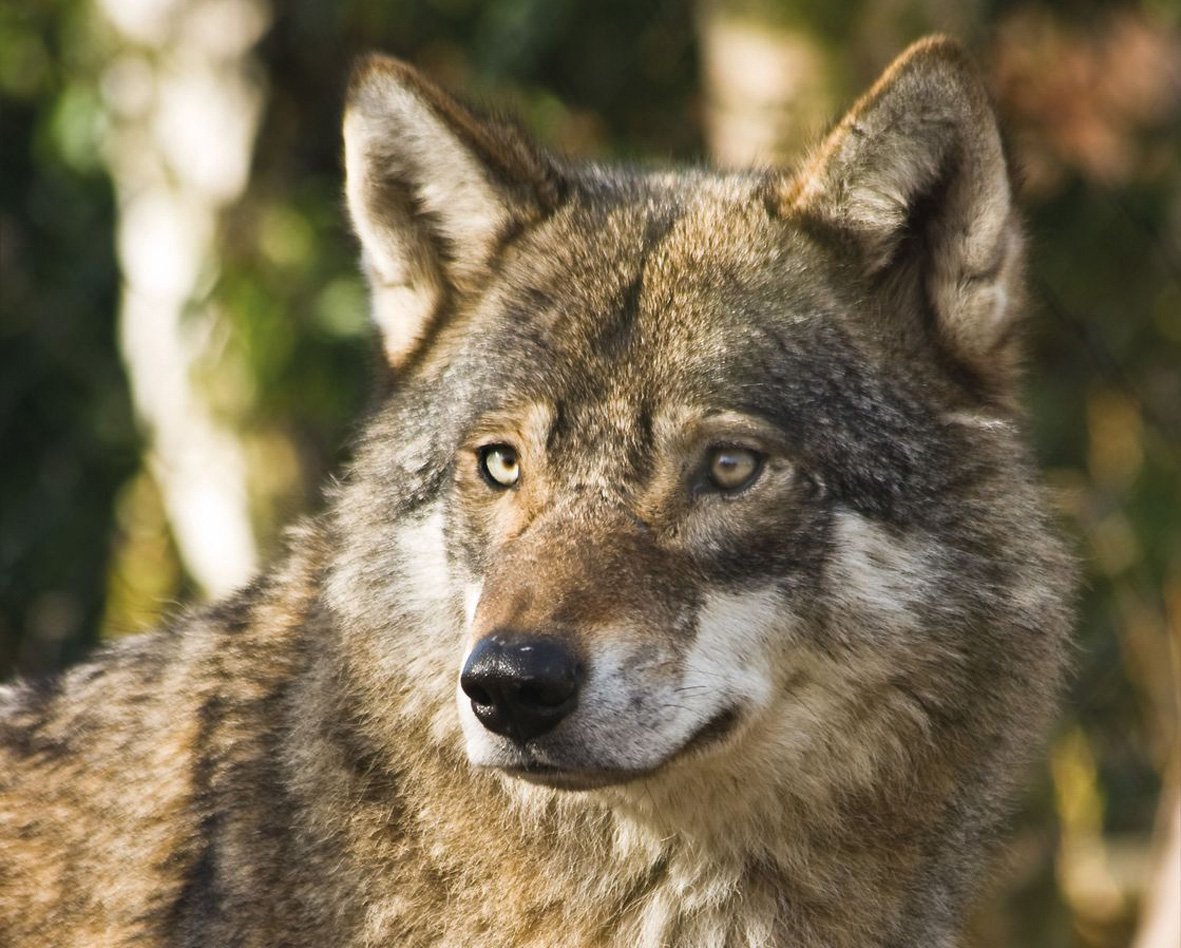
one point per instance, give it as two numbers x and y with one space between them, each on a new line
809 699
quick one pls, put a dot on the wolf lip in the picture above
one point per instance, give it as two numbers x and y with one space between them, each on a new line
573 778
715 729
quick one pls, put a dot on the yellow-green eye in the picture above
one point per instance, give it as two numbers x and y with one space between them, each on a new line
499 465
731 469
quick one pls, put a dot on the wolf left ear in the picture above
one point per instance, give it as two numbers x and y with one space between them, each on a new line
917 167
433 191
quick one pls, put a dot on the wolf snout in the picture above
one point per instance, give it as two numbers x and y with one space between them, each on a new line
521 686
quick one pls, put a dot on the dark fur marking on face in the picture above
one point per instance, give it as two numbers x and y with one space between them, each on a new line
789 547
879 450
619 326
616 333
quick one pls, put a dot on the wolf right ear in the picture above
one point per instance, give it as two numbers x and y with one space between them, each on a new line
916 174
433 189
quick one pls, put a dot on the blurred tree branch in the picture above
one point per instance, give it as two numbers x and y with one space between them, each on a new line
186 101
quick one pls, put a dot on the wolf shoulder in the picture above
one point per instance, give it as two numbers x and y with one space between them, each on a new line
100 773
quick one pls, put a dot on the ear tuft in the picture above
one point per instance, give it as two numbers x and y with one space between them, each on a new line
433 189
922 150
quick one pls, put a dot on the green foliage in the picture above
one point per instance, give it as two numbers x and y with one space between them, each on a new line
65 420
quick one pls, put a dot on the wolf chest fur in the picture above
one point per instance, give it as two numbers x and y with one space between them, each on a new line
691 585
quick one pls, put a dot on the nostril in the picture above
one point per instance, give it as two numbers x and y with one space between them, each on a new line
478 694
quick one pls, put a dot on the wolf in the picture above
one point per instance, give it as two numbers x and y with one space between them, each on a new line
691 585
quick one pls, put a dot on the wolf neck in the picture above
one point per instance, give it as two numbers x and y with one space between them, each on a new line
627 868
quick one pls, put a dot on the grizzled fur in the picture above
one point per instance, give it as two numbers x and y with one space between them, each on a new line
807 699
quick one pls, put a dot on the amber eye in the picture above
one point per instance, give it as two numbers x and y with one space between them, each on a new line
731 469
499 465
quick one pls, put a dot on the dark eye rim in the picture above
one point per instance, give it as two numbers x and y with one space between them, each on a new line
706 482
482 454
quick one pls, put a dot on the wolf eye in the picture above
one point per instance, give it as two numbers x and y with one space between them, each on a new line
731 469
499 465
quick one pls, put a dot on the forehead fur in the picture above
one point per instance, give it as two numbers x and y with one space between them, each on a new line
679 273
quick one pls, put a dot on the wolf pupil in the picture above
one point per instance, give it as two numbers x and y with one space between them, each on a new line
498 463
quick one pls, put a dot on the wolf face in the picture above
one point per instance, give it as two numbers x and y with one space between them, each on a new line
695 472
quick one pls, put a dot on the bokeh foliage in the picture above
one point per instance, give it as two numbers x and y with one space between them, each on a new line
68 437
1091 93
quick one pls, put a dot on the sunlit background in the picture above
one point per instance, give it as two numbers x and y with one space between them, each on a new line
184 350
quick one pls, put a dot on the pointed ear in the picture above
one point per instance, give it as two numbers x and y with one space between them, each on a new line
433 191
917 169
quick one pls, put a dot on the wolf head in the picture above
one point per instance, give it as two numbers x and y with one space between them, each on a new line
682 474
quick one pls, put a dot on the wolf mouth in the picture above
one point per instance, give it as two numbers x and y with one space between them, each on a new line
712 731
558 777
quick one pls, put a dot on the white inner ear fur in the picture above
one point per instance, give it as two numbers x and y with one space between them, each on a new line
394 140
975 247
927 115
969 284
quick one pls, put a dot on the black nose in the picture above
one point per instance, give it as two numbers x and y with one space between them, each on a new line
521 685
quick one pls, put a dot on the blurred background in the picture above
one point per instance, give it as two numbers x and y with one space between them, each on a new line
184 348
